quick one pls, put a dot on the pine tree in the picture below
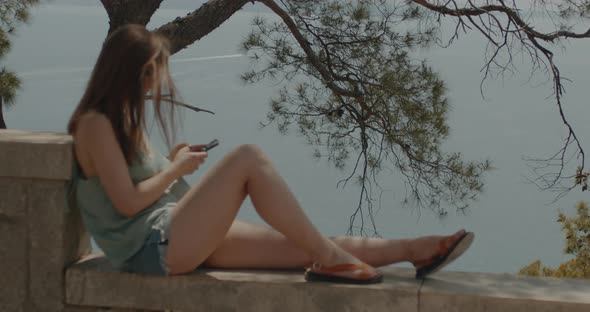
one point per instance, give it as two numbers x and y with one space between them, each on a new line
352 84
577 244
12 14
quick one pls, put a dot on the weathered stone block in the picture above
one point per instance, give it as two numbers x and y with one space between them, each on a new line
42 155
97 309
13 265
474 292
53 243
13 197
462 303
94 283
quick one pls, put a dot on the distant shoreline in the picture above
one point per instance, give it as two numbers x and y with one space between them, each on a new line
166 5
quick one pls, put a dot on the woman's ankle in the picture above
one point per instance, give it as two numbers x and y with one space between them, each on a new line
412 249
336 255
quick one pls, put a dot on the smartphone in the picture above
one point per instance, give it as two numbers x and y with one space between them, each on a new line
211 145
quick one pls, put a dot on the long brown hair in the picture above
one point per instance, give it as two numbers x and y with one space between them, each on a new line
117 87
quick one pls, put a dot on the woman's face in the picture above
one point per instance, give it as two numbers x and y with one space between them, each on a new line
149 77
147 84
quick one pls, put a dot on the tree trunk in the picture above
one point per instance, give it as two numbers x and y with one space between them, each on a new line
2 123
122 12
184 31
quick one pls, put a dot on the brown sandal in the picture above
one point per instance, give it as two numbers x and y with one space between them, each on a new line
449 250
319 273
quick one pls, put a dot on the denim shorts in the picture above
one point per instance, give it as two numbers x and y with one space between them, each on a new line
151 258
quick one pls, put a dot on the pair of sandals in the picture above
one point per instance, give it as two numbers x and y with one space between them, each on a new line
450 248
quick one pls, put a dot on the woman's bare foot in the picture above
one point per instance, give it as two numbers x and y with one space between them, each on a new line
449 248
425 248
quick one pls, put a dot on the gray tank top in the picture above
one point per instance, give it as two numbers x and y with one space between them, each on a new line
120 237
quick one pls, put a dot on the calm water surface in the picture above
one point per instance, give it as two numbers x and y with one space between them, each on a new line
514 222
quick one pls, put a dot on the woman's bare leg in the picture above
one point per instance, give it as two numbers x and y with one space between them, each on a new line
201 220
254 246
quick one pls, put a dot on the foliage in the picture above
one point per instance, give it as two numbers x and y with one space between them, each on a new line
577 238
12 14
385 110
9 84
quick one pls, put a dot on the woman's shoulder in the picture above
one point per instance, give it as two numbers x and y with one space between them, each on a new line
93 117
92 122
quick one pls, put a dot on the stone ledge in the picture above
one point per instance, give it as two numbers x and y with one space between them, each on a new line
40 155
92 282
458 291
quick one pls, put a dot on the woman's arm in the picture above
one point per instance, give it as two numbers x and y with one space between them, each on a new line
97 140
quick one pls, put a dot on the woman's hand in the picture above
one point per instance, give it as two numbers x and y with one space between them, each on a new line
175 150
197 148
186 161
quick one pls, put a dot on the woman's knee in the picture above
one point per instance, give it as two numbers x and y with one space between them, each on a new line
251 154
176 265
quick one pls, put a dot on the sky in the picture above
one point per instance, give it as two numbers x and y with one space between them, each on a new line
167 4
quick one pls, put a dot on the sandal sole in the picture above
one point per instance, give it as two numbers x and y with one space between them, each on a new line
317 277
459 249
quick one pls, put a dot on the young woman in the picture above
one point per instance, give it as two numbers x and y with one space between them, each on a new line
148 220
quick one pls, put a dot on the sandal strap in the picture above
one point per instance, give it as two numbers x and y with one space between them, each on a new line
338 268
447 243
444 245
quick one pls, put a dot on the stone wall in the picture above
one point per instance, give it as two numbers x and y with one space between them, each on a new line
41 238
